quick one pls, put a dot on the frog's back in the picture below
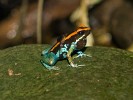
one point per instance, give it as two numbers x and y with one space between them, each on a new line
64 42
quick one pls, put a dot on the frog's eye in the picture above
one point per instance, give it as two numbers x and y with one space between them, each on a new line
81 32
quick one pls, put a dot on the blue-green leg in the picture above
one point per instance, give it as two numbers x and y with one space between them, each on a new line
70 59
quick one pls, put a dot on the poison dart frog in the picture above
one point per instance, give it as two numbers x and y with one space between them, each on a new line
64 47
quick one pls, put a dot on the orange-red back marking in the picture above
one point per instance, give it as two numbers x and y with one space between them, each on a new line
69 36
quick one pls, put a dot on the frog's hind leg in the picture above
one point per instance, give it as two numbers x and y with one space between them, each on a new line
49 67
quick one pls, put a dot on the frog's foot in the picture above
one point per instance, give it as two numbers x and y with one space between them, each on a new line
81 54
49 67
75 65
53 68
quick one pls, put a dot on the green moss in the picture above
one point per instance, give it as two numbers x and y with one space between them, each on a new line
107 75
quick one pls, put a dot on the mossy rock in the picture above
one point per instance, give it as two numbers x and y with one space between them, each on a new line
107 75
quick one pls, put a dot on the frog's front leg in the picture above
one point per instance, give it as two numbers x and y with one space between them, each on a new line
70 59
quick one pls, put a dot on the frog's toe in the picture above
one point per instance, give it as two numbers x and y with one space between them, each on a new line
54 68
88 55
81 55
73 65
81 65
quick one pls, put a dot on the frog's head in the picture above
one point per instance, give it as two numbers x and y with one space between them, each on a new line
82 33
